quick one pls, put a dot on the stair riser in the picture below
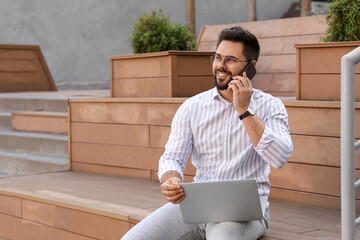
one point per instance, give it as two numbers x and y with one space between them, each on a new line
34 145
24 166
13 104
5 122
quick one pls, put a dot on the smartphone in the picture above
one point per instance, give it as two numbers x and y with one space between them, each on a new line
249 69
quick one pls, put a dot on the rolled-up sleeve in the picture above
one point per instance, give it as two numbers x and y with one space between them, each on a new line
275 146
179 145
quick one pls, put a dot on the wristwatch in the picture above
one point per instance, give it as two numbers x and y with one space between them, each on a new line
248 112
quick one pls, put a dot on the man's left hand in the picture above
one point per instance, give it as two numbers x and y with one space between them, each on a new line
242 92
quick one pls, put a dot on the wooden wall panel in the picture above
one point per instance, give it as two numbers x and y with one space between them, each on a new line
118 134
17 54
49 122
23 68
325 87
10 205
18 229
276 64
115 155
124 113
186 66
159 136
309 178
87 224
144 86
111 170
312 59
304 198
32 65
318 150
141 67
192 85
271 28
324 122
283 82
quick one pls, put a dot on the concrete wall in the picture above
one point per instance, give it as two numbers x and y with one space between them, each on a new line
77 36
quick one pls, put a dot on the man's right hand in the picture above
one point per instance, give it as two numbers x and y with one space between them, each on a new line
172 190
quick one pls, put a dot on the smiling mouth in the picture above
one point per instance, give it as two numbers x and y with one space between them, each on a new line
222 75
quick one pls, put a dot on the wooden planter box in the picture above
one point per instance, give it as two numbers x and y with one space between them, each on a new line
318 70
23 69
161 74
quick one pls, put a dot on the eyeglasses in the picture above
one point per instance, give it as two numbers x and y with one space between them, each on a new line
228 60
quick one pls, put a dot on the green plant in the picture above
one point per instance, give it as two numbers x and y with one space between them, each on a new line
153 33
343 21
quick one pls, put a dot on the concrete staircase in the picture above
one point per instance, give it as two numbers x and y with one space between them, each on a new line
32 139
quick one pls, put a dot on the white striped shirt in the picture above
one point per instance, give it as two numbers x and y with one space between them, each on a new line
209 126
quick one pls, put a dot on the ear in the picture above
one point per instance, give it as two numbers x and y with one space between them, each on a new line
254 62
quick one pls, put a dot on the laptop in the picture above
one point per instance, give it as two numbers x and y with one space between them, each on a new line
223 201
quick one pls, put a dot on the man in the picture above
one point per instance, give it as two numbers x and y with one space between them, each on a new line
233 132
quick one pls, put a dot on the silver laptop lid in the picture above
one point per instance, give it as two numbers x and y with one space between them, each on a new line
224 201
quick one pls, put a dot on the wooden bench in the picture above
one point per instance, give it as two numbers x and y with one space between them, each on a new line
277 62
23 69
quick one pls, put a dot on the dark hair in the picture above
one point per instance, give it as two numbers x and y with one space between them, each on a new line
238 34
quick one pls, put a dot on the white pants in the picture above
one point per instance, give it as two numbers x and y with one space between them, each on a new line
167 223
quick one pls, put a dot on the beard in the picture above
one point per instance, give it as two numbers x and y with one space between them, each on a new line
222 84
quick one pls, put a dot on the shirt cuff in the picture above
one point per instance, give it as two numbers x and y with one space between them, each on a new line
163 170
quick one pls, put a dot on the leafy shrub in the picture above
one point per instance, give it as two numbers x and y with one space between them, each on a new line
154 33
343 21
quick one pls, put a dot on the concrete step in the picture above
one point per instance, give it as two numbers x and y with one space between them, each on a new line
40 121
5 120
45 101
16 102
16 163
38 143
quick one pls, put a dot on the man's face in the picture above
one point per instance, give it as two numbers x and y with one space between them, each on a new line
231 53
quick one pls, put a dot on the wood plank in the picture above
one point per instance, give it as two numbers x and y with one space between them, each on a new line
324 122
48 122
189 65
309 199
118 134
283 82
115 155
159 136
289 227
142 87
87 224
139 68
17 54
9 228
192 85
111 170
313 59
283 235
28 65
262 81
272 28
314 179
277 64
271 46
289 47
23 68
319 151
10 205
312 87
124 113
323 235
